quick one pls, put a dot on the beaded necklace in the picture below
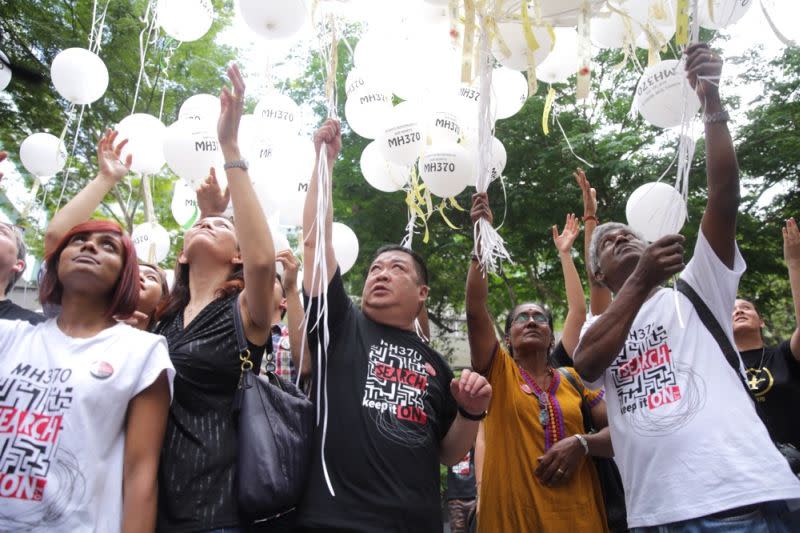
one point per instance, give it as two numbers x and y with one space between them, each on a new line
550 415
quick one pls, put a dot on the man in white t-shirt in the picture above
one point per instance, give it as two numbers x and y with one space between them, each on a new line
691 449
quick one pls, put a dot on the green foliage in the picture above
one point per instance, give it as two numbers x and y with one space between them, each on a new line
539 189
32 35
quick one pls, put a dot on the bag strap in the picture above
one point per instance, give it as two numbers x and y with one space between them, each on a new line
241 340
713 326
586 411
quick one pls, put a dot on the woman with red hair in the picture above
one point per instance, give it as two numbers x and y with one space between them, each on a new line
112 169
85 397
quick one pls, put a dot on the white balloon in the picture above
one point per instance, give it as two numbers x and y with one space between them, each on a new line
145 134
5 72
79 75
380 173
278 113
509 90
402 140
723 13
514 36
273 19
656 209
191 149
292 199
151 236
467 102
367 113
447 169
609 29
660 24
563 60
499 158
345 246
661 92
184 204
43 155
203 107
443 126
360 82
185 20
637 10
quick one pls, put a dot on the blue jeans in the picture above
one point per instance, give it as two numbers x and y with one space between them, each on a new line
770 517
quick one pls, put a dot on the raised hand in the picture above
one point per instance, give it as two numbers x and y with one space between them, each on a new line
109 157
329 133
290 268
589 194
480 208
791 243
703 69
232 107
565 241
660 260
472 392
211 200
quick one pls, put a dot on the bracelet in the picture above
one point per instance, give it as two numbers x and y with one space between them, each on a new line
475 258
583 442
713 118
590 217
239 163
470 416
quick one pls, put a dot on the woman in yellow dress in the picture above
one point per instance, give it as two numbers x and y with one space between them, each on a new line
537 475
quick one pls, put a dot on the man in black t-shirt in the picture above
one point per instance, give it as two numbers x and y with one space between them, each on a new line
389 408
12 265
773 372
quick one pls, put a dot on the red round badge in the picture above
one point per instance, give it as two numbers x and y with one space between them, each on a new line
101 369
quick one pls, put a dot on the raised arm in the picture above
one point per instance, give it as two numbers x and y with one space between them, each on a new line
603 341
719 220
329 134
80 209
294 313
599 296
791 254
144 433
472 394
576 301
255 239
480 330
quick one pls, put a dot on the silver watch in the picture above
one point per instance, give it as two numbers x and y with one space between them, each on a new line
239 163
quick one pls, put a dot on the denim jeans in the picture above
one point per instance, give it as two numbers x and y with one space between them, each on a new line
770 517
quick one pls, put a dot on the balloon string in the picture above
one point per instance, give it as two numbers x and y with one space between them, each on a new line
71 153
569 144
150 27
781 37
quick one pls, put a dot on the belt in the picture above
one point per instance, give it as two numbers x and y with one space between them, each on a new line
736 511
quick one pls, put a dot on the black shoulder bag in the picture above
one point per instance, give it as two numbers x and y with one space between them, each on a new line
607 472
275 425
708 319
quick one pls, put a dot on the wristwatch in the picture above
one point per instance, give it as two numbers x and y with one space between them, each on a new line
239 163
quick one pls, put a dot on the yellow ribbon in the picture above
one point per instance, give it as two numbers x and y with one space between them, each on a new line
444 217
548 106
418 196
682 22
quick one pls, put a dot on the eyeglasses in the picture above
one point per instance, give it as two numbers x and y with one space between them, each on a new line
524 318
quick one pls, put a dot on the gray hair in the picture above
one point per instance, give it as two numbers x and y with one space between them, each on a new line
597 237
22 252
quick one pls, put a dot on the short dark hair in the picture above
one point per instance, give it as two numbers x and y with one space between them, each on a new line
125 295
419 262
751 301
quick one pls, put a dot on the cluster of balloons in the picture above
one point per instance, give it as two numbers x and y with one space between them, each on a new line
435 126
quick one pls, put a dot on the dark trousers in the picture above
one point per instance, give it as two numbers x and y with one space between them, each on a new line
459 511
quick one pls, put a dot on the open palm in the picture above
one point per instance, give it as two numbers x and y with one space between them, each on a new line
567 237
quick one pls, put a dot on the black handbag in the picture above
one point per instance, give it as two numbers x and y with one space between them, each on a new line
607 471
275 424
789 452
